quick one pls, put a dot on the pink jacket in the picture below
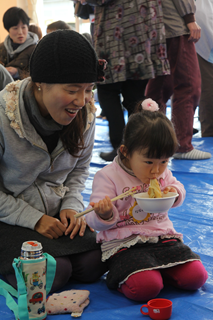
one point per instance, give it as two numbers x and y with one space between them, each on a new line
112 180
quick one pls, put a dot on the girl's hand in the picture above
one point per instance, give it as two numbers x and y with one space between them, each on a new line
169 189
73 225
103 208
50 227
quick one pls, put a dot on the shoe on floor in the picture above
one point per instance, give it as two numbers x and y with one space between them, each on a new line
193 155
195 131
109 156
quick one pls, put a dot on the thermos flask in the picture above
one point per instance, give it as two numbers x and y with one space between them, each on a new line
35 273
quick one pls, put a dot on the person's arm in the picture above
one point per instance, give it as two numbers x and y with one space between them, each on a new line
16 211
5 77
102 186
172 182
186 9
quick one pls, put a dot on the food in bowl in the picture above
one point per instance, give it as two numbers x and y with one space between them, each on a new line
154 189
155 205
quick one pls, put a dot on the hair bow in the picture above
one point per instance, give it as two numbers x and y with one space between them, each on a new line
149 104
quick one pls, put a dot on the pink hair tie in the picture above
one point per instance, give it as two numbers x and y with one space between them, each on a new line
149 104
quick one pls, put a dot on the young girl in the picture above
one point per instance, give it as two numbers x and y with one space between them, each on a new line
145 251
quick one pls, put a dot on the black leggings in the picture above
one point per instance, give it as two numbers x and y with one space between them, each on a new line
84 267
109 96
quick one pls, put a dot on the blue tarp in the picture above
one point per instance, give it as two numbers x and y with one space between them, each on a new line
194 219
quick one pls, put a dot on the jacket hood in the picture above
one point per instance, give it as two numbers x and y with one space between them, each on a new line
32 38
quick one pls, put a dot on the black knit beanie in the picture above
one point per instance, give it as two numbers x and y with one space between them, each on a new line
64 56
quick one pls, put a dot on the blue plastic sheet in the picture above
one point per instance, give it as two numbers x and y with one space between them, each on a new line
194 219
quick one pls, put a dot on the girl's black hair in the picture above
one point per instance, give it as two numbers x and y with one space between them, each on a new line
151 132
13 16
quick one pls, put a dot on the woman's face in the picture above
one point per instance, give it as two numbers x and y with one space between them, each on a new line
62 101
18 33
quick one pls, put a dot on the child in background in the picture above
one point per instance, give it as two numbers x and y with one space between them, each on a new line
58 25
36 29
142 251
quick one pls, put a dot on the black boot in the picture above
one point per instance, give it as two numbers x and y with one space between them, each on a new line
195 131
108 156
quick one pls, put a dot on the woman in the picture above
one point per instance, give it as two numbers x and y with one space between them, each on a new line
47 128
130 36
16 50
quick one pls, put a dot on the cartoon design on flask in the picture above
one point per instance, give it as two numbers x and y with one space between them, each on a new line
35 281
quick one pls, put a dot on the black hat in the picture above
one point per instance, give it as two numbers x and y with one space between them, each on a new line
64 56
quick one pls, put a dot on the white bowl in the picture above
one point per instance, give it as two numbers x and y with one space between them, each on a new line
155 205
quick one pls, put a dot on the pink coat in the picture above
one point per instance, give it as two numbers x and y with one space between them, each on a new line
112 180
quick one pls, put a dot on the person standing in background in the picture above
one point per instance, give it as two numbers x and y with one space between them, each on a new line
204 48
16 50
184 83
130 36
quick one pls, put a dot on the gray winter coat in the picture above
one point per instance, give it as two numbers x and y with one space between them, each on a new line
32 181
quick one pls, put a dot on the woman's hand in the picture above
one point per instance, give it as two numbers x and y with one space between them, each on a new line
195 31
103 208
12 70
73 225
50 227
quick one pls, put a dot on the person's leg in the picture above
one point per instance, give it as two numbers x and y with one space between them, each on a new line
110 102
160 89
186 94
133 91
189 276
142 286
62 276
187 87
87 266
206 99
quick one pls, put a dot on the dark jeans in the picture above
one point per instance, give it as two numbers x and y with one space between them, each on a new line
109 96
184 84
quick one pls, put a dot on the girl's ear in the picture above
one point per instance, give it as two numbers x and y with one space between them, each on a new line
123 150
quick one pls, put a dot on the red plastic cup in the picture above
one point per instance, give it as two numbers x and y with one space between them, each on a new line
158 309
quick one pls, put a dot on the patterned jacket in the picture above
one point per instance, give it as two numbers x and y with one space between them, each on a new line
130 35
